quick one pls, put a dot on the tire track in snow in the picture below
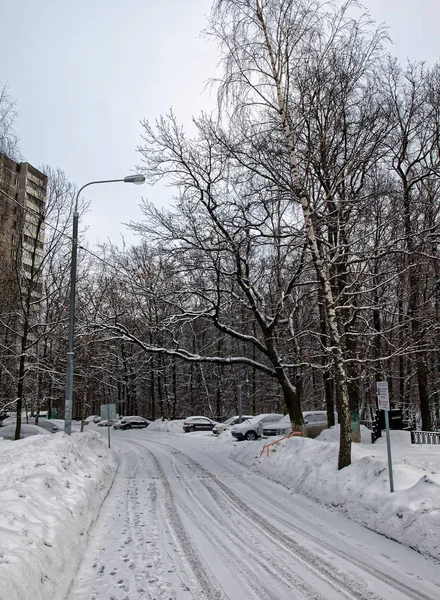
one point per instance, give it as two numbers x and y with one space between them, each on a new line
256 584
263 563
359 561
387 578
345 586
339 578
202 573
206 589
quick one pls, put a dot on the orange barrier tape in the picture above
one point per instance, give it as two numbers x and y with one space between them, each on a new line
267 446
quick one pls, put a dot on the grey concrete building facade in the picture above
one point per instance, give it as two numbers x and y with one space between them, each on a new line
22 204
22 229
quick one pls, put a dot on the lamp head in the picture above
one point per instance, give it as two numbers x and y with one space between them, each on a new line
137 179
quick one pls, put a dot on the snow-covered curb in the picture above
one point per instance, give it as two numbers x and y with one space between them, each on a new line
410 515
51 491
167 426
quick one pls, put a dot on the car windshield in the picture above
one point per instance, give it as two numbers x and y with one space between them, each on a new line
315 417
257 419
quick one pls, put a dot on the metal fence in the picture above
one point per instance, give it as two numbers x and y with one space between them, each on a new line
425 437
396 422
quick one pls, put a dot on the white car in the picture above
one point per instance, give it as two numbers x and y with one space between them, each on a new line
314 420
45 424
8 432
253 428
105 423
217 430
92 419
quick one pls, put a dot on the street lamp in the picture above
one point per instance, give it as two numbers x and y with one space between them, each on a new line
139 180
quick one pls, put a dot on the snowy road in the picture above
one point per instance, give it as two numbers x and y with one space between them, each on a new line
184 522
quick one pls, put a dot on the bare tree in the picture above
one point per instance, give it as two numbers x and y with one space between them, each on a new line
413 95
234 243
30 321
302 68
8 115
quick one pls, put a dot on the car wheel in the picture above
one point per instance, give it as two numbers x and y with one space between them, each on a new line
191 429
251 436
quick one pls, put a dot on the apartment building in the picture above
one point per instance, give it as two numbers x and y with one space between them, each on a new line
22 204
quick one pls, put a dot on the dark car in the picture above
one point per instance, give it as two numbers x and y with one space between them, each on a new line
198 424
133 422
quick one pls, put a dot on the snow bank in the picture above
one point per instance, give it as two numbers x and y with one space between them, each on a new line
410 515
8 432
166 425
51 491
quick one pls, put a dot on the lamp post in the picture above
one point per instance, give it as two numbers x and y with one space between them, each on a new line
137 179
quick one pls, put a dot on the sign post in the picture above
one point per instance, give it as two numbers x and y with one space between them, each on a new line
239 396
383 401
108 411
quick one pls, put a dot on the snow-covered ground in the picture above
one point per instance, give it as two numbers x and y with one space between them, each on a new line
51 491
410 515
52 488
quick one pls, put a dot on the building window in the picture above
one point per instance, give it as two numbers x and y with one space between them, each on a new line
33 242
39 203
35 186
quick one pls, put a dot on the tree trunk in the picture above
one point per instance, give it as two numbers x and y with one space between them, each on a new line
344 458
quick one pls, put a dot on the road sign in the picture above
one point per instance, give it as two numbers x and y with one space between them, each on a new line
108 411
383 398
383 401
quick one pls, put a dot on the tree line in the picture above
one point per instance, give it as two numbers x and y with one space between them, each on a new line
300 255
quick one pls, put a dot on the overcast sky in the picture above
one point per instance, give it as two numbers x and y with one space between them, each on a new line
85 73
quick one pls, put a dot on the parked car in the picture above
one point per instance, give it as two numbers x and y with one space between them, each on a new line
132 422
45 424
314 420
198 424
8 431
105 423
92 419
228 423
253 428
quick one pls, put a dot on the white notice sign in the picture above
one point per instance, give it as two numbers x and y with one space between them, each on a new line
383 399
108 411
